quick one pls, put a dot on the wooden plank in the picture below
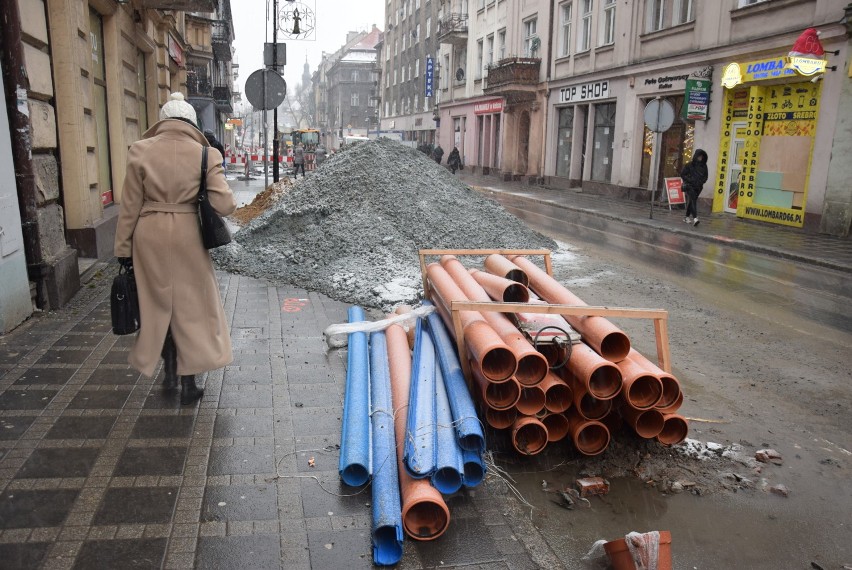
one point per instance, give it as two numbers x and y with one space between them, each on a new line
484 251
423 274
574 310
548 264
661 331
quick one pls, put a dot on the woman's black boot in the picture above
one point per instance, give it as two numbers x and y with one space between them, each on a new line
169 354
189 392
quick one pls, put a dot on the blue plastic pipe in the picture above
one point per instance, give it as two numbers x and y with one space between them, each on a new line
474 468
420 432
449 467
387 512
355 444
468 426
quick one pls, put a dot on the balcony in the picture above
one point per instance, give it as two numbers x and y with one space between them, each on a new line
222 39
514 78
199 86
182 5
452 29
224 99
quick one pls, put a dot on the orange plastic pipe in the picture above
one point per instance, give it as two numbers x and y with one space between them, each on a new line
671 386
502 267
531 401
590 437
492 355
601 378
641 389
675 429
586 404
529 436
425 515
496 395
646 423
558 395
532 365
674 407
500 288
557 426
500 419
607 339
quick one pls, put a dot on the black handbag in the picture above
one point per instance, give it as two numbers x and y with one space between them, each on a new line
214 231
124 302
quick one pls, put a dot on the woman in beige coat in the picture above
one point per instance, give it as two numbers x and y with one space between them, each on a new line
159 234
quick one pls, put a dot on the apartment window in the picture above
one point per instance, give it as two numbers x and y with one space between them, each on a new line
353 99
416 102
565 12
394 77
501 44
410 67
744 3
530 37
608 23
417 34
584 39
445 72
354 75
393 109
479 49
655 13
428 26
481 4
683 12
402 75
489 42
404 36
417 4
387 108
396 47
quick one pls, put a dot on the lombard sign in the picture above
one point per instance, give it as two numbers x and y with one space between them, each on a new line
779 67
584 92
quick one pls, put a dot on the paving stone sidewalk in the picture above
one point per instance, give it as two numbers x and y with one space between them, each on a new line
101 469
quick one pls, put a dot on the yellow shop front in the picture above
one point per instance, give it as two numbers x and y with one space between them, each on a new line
767 138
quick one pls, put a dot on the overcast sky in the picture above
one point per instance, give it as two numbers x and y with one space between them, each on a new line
333 19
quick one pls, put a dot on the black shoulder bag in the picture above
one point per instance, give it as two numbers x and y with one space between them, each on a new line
124 302
214 232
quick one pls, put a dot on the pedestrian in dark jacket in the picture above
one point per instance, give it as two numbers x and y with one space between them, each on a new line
298 160
694 175
214 142
454 160
438 154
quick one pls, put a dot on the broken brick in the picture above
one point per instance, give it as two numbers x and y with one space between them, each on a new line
592 486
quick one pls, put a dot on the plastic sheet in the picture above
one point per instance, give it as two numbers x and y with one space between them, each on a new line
336 336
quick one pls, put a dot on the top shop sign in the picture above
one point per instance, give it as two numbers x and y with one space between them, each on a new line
584 92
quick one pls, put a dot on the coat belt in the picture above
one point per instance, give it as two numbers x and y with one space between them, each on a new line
149 207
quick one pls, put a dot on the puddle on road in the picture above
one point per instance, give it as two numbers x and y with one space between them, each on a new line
729 530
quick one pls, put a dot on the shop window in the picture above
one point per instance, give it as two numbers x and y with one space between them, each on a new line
677 147
99 89
142 91
565 44
584 38
608 23
563 141
604 142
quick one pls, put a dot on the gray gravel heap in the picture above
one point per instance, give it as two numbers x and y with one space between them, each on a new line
353 229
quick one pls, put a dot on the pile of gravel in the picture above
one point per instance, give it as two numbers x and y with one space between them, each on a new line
353 229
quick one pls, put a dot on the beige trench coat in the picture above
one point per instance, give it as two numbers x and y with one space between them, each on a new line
158 227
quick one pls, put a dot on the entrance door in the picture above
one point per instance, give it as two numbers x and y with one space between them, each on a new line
523 142
736 153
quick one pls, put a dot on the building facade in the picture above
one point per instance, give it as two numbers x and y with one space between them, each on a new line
84 79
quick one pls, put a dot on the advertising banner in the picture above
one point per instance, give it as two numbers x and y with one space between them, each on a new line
430 75
674 191
696 99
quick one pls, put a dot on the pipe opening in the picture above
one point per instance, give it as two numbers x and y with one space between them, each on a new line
558 398
605 382
447 480
552 353
474 473
531 401
498 364
503 395
675 430
615 346
674 407
671 391
355 475
532 368
425 520
519 276
593 408
557 427
472 442
387 549
592 439
500 419
645 392
530 438
649 424
516 293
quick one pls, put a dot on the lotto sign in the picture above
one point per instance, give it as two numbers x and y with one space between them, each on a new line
430 75
674 191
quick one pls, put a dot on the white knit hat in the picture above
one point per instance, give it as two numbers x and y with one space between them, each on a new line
177 108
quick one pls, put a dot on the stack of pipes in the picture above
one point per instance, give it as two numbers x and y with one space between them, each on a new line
540 405
411 426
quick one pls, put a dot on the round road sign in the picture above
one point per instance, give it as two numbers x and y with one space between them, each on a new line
276 89
659 115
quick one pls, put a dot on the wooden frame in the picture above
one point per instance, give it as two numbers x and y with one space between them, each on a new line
659 316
